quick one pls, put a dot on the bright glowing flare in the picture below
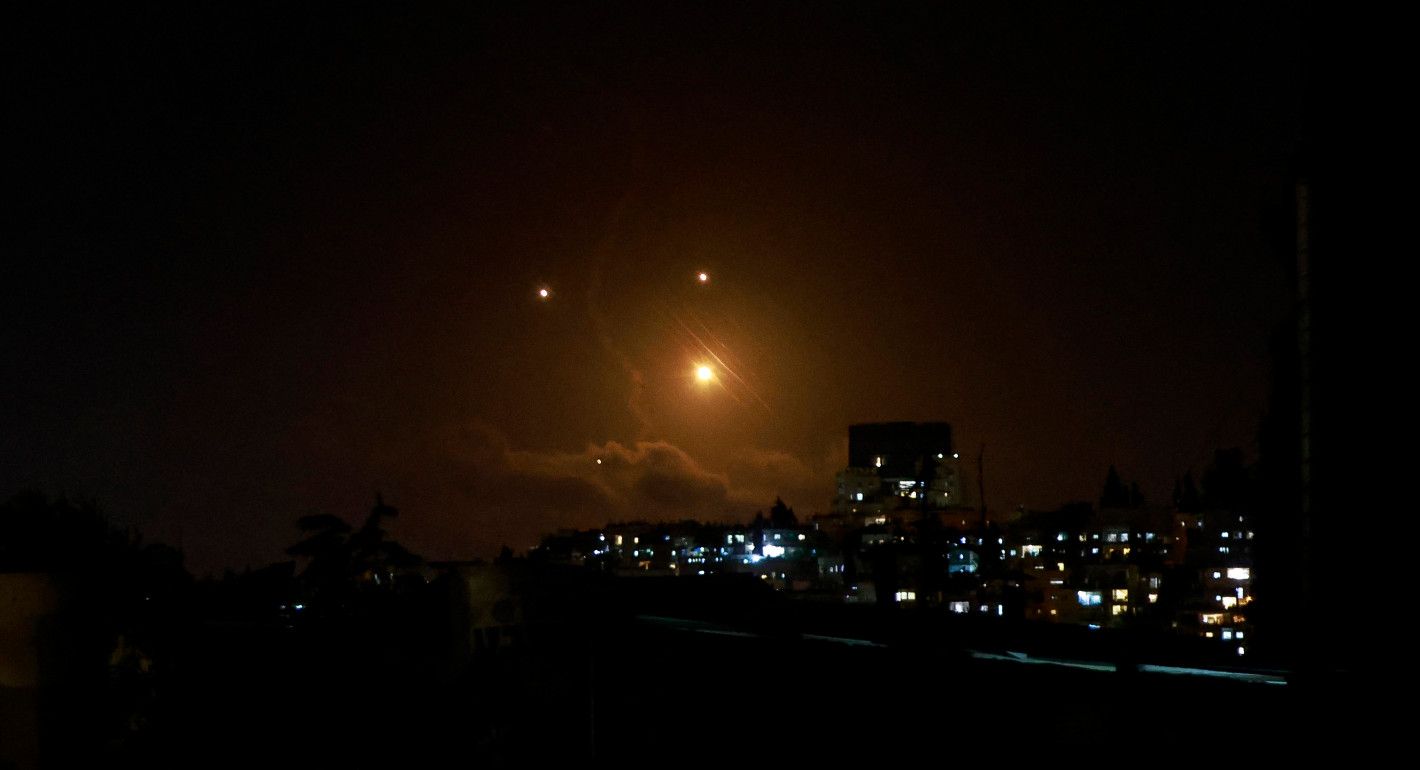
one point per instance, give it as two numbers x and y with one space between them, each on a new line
543 293
704 373
703 277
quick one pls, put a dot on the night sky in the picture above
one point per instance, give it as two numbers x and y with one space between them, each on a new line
269 261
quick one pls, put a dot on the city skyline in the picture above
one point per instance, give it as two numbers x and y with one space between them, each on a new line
475 263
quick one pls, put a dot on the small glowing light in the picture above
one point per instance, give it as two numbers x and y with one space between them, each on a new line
599 461
543 293
300 606
956 455
702 277
704 373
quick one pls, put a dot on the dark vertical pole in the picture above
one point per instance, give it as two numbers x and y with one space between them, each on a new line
981 484
1304 400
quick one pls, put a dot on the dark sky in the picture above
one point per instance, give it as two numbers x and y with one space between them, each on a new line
270 261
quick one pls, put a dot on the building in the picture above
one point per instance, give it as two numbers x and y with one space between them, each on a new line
899 465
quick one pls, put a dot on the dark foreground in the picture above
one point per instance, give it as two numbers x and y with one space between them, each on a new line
655 689
628 676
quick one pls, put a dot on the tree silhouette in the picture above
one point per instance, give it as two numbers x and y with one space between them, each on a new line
1115 494
782 516
1185 494
343 559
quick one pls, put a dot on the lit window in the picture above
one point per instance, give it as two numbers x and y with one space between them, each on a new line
1208 634
959 607
1121 594
618 539
1094 550
1060 537
1225 535
1123 537
1111 537
776 536
1126 550
1229 602
1211 618
1054 612
877 462
1088 598
803 536
1057 582
1117 609
1060 565
1153 598
1239 635
1227 634
1149 537
1222 549
1239 573
860 496
635 540
1242 650
1217 575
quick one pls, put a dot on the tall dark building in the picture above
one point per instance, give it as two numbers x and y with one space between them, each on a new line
899 465
899 449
